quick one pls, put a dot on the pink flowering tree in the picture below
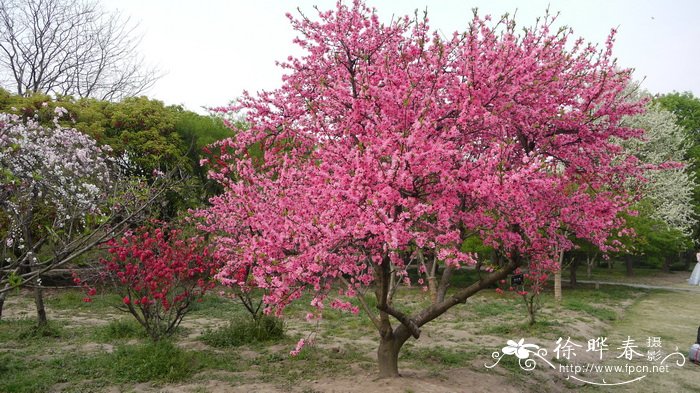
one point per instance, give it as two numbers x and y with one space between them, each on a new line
388 146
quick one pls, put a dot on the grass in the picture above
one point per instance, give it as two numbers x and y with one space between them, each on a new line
245 331
18 375
438 355
155 362
495 308
73 300
119 329
577 304
313 362
152 362
213 306
68 359
543 327
49 330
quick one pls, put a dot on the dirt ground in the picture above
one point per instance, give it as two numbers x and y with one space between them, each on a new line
466 333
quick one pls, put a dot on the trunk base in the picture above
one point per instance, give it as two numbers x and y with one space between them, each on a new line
40 309
388 357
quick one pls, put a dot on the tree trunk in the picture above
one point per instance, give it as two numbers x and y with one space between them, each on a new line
532 317
557 279
572 272
629 263
531 307
589 266
590 261
39 301
388 357
2 302
433 289
667 264
391 341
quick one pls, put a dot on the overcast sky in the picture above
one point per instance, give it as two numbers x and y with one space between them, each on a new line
212 50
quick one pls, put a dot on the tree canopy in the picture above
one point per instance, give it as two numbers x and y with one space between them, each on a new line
387 146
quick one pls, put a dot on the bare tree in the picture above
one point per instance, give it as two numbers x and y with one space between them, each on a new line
69 47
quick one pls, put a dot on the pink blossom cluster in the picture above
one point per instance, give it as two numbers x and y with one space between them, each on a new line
297 350
386 139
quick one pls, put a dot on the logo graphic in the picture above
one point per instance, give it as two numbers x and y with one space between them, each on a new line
656 360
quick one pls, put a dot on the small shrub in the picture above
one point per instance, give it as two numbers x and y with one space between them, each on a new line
241 332
160 273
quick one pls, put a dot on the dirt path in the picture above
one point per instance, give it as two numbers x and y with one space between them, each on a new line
689 288
673 318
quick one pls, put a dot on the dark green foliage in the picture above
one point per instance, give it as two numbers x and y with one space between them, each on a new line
686 107
197 132
245 331
653 239
145 130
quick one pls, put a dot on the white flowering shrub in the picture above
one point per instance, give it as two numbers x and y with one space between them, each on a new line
669 190
52 179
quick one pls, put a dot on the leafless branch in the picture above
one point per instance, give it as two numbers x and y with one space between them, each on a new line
66 47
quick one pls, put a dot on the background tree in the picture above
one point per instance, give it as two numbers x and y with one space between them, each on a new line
54 182
145 135
67 47
666 218
60 196
686 107
386 139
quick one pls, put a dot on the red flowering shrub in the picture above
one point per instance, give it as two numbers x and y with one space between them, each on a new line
160 272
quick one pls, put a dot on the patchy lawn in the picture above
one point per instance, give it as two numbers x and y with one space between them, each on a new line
91 347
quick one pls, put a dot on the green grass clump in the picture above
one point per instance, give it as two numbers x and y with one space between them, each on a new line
152 362
438 355
18 375
49 330
120 329
245 331
493 308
